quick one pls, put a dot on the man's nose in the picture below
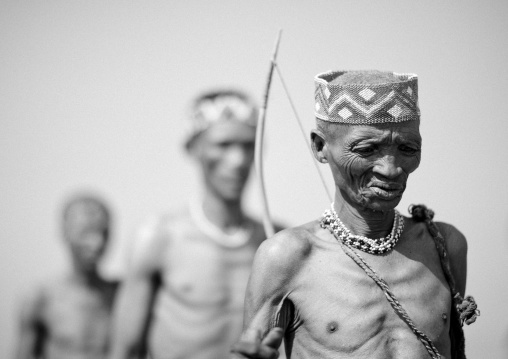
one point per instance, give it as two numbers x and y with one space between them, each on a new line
388 167
238 156
94 241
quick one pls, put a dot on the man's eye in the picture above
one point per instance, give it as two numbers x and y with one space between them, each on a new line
223 145
408 150
365 150
248 146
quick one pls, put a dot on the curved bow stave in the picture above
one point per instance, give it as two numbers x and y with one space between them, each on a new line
258 152
258 156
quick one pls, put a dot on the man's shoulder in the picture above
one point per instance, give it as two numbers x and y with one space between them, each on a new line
170 216
157 224
280 258
51 283
455 239
289 246
42 291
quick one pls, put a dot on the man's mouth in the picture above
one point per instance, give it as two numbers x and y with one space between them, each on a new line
235 177
387 191
234 180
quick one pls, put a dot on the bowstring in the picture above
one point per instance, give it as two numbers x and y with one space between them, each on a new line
302 130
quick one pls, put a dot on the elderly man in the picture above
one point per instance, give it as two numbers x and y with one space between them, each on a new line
69 317
189 269
362 281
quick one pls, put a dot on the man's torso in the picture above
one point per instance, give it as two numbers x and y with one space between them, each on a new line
338 311
198 311
76 319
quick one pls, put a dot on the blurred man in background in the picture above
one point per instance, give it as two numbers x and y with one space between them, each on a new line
69 317
188 271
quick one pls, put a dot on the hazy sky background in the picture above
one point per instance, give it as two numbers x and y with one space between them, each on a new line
93 94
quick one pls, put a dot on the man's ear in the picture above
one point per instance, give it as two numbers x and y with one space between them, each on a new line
191 146
318 144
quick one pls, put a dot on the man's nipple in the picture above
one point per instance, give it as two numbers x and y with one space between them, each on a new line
332 327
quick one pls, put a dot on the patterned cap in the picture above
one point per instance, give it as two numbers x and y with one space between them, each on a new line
366 97
214 107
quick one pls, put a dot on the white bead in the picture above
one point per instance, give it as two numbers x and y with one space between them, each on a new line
369 245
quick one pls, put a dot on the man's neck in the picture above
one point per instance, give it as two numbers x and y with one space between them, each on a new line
364 222
223 214
89 278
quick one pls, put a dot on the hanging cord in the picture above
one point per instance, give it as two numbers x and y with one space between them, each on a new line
304 134
467 306
390 296
464 310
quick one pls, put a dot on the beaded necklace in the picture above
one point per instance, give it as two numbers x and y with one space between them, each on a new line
373 246
233 239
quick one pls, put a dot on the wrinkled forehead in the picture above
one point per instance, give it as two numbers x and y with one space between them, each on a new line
86 214
409 130
230 132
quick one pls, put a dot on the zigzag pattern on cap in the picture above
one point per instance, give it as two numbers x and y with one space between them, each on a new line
222 107
366 103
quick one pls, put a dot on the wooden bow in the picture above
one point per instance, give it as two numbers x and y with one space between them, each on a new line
258 151
258 154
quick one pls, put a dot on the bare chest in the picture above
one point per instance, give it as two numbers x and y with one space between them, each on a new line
77 320
200 272
340 308
203 290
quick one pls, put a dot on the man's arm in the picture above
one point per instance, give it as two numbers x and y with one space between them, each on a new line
275 266
31 332
457 250
134 301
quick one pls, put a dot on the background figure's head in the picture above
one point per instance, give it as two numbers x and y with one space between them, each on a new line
222 136
368 132
86 227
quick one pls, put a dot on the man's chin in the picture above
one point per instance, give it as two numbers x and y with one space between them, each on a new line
375 203
383 205
89 267
232 195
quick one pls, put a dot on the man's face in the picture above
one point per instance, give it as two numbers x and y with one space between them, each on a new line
86 230
225 152
371 164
